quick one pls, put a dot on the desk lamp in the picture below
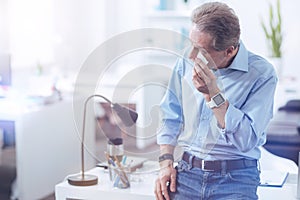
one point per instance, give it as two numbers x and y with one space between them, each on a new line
127 116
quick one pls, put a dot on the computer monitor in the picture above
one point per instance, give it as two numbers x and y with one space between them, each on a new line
5 70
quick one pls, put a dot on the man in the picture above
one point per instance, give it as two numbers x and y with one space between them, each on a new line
218 116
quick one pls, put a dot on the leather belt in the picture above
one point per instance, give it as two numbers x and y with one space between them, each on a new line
218 165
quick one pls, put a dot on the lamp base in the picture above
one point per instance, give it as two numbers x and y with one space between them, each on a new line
86 180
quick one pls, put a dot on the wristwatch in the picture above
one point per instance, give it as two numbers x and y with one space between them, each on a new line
216 100
166 156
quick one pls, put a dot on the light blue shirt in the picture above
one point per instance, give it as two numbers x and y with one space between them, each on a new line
249 85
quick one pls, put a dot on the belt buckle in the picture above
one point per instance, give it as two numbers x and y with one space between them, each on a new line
203 167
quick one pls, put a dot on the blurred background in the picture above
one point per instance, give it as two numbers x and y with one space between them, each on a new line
43 46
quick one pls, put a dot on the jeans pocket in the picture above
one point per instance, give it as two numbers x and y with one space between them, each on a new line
247 176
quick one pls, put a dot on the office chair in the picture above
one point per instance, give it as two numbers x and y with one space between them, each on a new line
291 106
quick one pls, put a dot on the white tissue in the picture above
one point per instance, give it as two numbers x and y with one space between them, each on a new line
201 57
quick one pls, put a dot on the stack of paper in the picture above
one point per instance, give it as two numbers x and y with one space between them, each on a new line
272 178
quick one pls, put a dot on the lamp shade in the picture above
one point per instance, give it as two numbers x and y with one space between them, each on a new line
127 116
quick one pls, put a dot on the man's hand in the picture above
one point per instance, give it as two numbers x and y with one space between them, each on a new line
204 79
167 177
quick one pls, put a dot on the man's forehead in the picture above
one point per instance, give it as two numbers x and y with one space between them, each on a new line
199 38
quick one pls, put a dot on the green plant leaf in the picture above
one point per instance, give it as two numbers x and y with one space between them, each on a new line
273 33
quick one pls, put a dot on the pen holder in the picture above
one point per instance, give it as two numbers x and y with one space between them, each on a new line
120 176
112 171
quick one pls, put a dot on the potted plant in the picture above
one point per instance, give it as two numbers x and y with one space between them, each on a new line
274 36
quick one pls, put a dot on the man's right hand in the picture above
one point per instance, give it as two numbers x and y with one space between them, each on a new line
166 178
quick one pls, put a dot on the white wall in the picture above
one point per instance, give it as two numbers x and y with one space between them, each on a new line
128 16
62 33
80 27
4 46
56 33
250 13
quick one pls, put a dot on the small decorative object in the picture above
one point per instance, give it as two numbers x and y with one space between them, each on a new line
274 36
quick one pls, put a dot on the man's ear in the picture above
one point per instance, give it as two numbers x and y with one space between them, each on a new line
230 51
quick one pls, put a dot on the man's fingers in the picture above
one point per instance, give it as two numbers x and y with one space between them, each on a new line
204 68
202 65
200 72
164 189
198 79
158 193
166 177
202 79
199 83
173 182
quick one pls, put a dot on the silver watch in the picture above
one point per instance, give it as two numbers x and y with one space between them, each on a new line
216 100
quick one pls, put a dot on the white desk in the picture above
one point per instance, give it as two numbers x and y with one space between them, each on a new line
104 190
145 189
288 191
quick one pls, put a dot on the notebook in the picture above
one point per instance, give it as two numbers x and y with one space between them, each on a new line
272 178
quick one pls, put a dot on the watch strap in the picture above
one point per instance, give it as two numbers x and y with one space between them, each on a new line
166 156
211 104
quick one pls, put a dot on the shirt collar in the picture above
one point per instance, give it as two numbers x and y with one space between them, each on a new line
240 62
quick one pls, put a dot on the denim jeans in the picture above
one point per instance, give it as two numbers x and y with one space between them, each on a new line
193 183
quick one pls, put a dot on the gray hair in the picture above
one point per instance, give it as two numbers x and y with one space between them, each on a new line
220 21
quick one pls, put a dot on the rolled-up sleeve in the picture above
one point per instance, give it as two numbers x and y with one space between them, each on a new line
171 110
245 126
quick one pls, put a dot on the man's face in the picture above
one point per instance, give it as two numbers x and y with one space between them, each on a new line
203 42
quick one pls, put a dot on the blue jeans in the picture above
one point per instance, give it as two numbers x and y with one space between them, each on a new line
193 183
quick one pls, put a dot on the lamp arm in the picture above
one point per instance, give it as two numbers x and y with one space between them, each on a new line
128 117
83 128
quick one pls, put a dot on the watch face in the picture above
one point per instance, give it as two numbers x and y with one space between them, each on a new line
218 99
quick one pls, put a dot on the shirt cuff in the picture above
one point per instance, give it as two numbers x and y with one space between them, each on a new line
232 118
168 134
165 139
